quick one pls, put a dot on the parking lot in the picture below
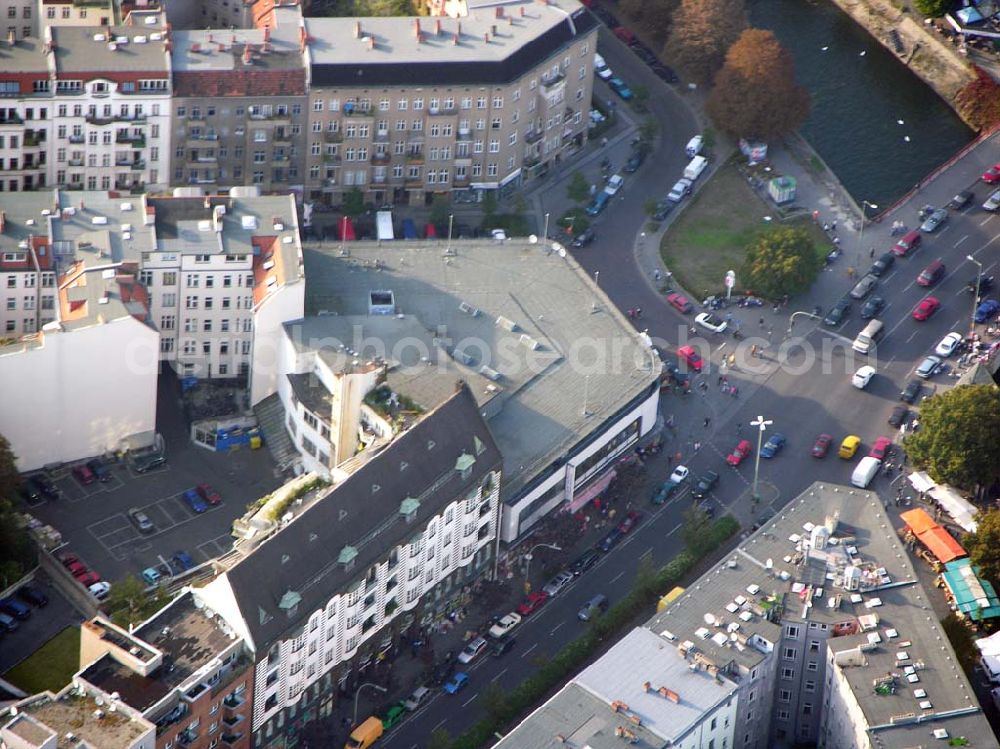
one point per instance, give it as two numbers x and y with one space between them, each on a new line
43 624
94 520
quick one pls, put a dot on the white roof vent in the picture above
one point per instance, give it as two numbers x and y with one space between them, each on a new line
268 265
151 21
278 226
100 38
287 239
46 212
99 220
125 207
205 225
156 36
126 227
139 40
121 39
248 222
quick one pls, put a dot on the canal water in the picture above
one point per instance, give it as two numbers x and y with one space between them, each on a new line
858 99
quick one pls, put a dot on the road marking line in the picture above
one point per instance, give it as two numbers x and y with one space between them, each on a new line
910 286
888 363
469 701
912 336
675 529
440 723
523 655
499 675
553 630
985 220
616 577
961 240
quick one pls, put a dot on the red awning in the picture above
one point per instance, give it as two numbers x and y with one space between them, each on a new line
594 489
918 521
430 232
941 544
347 230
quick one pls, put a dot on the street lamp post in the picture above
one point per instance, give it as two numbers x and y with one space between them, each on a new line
975 296
451 221
761 426
865 205
357 694
528 557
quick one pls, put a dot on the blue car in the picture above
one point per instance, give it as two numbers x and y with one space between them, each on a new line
182 560
621 88
773 445
600 203
456 683
194 500
987 309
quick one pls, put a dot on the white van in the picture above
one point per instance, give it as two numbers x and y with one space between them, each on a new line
601 68
695 168
867 337
694 146
865 471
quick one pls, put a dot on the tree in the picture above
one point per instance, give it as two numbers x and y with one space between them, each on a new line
696 530
983 544
354 202
578 190
648 130
781 261
933 8
979 100
127 602
9 477
756 95
956 443
489 207
497 702
701 33
440 210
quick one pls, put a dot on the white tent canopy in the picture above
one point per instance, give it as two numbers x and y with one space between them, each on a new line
958 507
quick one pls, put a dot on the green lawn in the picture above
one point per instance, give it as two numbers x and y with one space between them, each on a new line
51 666
710 235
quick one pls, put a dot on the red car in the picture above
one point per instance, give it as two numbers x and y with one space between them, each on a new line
68 559
76 568
880 448
927 307
690 357
631 521
742 450
680 303
209 494
84 475
992 175
821 445
88 578
532 603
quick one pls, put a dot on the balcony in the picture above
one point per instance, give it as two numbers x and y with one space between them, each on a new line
333 136
34 138
134 165
10 118
381 158
533 136
76 138
381 136
548 81
354 111
137 141
279 158
442 111
210 136
187 737
75 162
234 700
273 117
231 738
331 158
414 158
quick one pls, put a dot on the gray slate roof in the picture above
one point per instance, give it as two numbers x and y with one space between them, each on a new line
302 557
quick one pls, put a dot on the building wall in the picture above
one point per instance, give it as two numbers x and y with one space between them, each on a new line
521 513
458 541
715 729
55 13
79 393
756 698
801 671
19 17
844 725
405 143
24 138
282 305
27 301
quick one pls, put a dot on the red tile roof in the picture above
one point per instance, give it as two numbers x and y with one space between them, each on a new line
241 82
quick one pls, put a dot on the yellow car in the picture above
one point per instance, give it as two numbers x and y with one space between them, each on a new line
849 446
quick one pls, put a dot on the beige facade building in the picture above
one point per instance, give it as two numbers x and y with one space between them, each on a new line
404 108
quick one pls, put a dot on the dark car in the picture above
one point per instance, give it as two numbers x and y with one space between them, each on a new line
872 307
985 283
634 162
705 483
911 392
664 491
773 445
502 646
584 562
84 475
838 313
44 486
32 595
584 238
662 210
146 463
442 672
675 373
664 73
29 492
882 264
961 200
100 470
15 608
610 540
900 415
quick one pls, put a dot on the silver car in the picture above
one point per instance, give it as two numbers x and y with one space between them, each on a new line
681 188
141 520
932 222
557 583
864 287
929 366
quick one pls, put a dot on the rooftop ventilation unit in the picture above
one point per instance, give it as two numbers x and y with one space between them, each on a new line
510 325
491 373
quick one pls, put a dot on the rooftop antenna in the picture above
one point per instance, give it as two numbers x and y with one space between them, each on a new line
586 393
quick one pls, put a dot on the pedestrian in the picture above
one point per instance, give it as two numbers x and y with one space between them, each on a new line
729 317
871 253
704 386
656 275
721 379
833 226
708 420
638 311
604 141
677 457
734 391
762 322
697 446
739 428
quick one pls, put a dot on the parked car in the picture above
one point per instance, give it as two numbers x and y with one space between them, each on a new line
504 625
704 484
83 474
872 307
67 559
503 645
931 274
849 446
773 445
620 87
141 520
146 463
206 492
900 415
741 451
881 447
584 238
926 308
151 575
679 475
882 264
948 344
456 683
534 601
911 391
662 210
631 521
634 161
610 540
961 200
992 175
987 309
32 595
821 446
76 568
599 203
680 190
88 578
664 73
417 698
554 586
194 501
601 68
100 590
864 287
584 562
929 366
664 492
992 202
100 470
393 716
615 183
596 605
182 560
838 313
7 623
690 357
473 650
45 487
932 222
680 303
982 284
907 243
711 322
13 607
863 376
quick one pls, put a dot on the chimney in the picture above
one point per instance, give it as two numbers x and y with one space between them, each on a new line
11 37
493 29
3 220
247 57
486 37
371 42
210 39
458 29
267 34
416 28
522 11
499 11
510 20
437 27
454 40
357 29
168 46
420 37
81 205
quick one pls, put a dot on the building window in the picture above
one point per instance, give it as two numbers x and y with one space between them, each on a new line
790 653
792 632
784 695
787 673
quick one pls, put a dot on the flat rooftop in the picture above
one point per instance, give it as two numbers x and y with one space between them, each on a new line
85 718
25 56
78 50
189 641
533 319
108 224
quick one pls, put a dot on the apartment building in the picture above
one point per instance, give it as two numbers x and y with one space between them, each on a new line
217 14
239 104
320 596
27 268
183 670
405 332
26 109
72 13
403 108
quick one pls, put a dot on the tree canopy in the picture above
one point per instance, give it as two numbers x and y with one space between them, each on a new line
700 34
781 261
984 544
933 8
956 443
756 95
